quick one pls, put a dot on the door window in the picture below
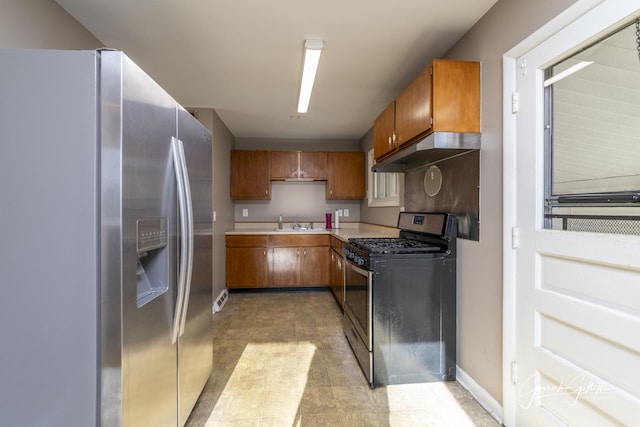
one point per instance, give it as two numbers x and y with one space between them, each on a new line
592 130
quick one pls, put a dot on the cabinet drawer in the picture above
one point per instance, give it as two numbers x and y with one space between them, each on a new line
299 240
248 241
336 244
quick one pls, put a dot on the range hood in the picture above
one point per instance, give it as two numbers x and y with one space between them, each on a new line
433 148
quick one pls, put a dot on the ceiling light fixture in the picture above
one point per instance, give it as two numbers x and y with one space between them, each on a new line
312 50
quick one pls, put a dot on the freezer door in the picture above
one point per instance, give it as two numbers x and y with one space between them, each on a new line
195 345
139 359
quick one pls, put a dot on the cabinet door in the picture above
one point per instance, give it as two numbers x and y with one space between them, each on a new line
247 268
456 96
414 108
250 175
314 266
346 176
284 165
384 132
313 164
285 267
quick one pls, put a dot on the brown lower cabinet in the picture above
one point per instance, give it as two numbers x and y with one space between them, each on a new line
291 260
247 261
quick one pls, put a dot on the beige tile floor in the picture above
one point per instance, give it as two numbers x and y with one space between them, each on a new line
280 359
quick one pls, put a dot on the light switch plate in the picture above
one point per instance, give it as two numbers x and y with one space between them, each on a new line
245 212
346 212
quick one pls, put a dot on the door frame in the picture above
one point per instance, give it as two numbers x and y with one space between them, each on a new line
576 12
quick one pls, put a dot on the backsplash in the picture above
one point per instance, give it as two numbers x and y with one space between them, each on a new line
296 201
459 192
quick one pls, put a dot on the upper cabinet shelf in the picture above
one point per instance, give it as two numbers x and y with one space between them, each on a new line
444 97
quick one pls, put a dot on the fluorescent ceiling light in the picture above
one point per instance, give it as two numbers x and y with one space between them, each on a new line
313 48
566 73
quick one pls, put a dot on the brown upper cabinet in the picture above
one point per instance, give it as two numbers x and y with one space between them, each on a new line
445 97
346 175
250 176
384 131
253 171
298 165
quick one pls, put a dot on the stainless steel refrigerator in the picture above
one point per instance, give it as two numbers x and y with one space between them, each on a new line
105 244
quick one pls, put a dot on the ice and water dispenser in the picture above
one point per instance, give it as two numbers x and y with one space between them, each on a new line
153 259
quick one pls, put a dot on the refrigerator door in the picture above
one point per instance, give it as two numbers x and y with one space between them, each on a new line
195 344
139 278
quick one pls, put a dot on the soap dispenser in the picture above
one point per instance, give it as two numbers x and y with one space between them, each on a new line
280 222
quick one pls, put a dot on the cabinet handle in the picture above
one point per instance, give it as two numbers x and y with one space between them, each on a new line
266 192
339 265
297 252
304 252
333 257
264 252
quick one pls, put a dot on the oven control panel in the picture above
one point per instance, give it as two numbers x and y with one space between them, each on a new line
427 223
353 255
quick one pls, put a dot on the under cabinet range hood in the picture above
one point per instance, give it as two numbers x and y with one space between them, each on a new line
435 147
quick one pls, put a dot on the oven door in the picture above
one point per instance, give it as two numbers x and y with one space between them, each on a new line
357 300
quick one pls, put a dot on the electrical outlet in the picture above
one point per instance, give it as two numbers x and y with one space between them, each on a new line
245 212
346 212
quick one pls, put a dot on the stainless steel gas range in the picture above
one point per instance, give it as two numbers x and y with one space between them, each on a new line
400 301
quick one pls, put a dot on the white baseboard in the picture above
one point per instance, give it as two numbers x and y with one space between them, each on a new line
480 394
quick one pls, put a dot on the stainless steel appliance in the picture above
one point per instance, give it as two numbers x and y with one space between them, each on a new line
105 256
400 301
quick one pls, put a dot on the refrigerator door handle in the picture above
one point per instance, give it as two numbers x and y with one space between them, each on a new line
185 236
190 236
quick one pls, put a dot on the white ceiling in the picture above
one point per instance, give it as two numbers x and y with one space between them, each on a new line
244 57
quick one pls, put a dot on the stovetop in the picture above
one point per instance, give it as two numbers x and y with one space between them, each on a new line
393 245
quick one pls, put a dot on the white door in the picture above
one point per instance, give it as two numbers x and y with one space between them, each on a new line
577 294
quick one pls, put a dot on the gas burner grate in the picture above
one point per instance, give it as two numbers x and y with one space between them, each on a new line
393 245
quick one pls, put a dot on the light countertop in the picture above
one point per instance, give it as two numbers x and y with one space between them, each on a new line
346 231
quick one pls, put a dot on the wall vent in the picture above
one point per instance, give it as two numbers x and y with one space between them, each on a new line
220 301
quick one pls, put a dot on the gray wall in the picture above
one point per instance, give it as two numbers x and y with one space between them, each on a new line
480 263
41 24
297 144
